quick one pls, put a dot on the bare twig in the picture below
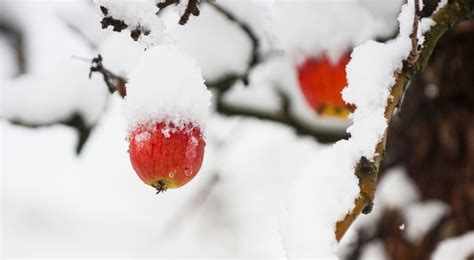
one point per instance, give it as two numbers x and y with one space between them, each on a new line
107 21
191 9
453 12
284 116
113 81
255 57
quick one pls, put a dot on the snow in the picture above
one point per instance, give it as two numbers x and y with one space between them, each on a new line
253 187
374 250
137 14
48 40
256 15
331 181
441 4
203 39
79 206
421 218
351 24
120 54
260 98
52 74
95 205
396 190
262 191
287 38
69 81
370 75
83 17
144 136
455 248
401 227
166 85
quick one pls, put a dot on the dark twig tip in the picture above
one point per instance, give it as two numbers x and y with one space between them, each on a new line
104 10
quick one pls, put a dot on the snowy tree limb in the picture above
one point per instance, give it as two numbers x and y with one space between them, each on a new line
284 116
367 170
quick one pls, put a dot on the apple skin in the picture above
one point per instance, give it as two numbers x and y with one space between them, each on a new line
165 156
321 82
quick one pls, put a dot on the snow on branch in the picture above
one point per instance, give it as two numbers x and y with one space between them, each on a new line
140 17
432 29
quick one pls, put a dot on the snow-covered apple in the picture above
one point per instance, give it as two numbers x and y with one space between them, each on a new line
321 81
166 107
166 156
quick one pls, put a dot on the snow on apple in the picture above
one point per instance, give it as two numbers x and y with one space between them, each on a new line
166 106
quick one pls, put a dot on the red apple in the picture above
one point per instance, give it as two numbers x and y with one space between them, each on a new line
321 82
165 156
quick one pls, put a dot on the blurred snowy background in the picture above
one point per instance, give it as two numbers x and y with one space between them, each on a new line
68 188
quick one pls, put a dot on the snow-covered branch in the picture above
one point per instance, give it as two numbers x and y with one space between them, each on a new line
140 17
367 168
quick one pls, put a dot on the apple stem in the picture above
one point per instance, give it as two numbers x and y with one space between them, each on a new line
160 186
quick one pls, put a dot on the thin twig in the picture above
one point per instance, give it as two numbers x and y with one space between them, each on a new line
113 81
255 57
283 116
191 9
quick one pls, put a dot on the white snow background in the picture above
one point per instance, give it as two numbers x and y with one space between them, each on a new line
262 191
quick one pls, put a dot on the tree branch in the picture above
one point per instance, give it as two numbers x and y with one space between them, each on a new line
284 116
444 18
113 81
255 57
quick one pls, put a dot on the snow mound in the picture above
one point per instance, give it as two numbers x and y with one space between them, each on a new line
455 248
166 86
396 189
422 217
